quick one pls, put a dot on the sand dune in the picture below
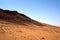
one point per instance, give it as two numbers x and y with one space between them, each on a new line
17 26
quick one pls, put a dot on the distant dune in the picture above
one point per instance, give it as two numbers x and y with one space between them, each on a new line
17 26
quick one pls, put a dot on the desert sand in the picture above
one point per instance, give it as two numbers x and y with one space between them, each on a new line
17 26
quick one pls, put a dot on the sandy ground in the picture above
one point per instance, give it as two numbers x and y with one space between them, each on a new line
10 31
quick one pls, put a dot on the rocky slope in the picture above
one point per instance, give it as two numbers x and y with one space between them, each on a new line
17 26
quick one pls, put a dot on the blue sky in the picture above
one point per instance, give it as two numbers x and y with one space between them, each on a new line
46 11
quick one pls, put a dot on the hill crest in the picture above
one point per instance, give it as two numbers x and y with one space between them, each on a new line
16 17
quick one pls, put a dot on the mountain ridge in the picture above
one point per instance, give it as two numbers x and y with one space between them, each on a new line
15 16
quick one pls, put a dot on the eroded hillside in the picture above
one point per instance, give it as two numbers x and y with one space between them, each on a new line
17 26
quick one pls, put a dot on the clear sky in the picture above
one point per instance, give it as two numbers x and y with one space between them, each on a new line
46 11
